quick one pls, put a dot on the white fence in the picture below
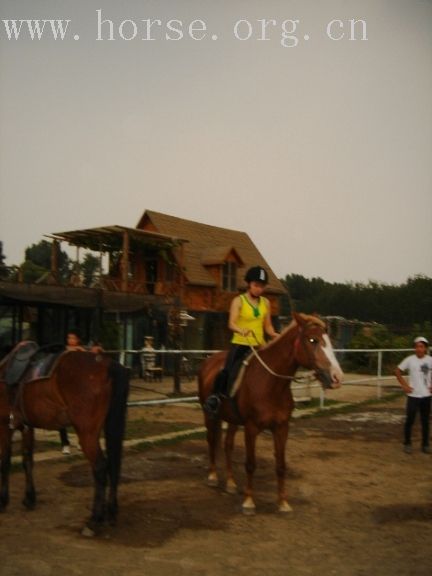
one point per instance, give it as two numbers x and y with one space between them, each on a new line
376 379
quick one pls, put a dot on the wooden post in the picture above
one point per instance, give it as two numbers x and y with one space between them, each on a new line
125 262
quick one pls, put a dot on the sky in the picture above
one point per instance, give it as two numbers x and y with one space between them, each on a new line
318 143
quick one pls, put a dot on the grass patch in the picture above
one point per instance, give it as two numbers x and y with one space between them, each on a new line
142 427
315 403
147 444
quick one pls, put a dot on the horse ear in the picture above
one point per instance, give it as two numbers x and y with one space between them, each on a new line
298 318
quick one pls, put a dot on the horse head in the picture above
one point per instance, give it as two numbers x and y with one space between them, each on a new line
314 350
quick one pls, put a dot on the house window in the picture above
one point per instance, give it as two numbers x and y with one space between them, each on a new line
229 276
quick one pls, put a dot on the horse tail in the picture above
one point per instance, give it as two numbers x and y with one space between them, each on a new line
115 422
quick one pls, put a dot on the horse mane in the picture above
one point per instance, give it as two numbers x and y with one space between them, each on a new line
308 318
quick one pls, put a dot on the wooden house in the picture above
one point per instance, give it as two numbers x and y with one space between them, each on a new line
165 270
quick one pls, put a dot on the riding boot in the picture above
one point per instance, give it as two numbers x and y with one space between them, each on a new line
212 404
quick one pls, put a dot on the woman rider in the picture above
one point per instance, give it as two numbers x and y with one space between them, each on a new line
249 320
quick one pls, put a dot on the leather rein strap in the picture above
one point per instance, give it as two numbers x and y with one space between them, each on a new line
267 367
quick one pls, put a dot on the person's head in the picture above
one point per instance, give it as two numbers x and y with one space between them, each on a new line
256 279
421 345
73 339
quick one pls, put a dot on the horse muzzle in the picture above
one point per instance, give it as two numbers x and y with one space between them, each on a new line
327 380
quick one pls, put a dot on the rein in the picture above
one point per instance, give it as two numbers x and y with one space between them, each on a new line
267 367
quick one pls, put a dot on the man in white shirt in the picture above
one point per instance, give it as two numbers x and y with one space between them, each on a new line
418 390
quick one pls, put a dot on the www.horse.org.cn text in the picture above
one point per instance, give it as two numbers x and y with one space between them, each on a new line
288 33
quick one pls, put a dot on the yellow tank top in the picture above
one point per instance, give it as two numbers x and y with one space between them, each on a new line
251 318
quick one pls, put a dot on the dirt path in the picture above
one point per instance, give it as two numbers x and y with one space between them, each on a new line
361 507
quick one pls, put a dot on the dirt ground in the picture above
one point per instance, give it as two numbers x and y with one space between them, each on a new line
360 507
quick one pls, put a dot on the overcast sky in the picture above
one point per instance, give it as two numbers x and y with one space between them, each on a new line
321 150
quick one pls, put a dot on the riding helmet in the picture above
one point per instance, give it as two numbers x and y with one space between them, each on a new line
421 339
256 274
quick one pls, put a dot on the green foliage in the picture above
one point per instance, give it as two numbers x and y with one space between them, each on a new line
40 255
89 266
4 271
31 272
397 306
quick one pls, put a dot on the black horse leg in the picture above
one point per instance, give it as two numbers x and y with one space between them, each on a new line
27 452
113 470
5 455
100 483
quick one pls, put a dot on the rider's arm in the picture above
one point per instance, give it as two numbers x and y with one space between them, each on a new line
268 325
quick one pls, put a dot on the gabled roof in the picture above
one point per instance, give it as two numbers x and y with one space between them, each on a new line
219 255
204 239
110 238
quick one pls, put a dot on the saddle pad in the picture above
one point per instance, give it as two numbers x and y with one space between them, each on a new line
18 361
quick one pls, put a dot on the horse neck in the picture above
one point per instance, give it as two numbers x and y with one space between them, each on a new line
280 353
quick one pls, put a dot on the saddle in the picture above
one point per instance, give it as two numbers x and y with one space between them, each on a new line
18 361
29 358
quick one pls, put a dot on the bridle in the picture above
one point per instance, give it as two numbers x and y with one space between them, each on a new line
297 342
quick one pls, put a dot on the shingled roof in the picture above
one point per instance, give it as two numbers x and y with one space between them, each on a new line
204 240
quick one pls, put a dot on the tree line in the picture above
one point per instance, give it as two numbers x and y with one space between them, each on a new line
396 306
37 264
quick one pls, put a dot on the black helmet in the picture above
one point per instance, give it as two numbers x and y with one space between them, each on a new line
257 274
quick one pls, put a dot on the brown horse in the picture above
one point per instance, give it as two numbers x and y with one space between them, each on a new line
264 399
85 390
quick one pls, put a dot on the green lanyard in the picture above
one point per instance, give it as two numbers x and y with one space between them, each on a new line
255 309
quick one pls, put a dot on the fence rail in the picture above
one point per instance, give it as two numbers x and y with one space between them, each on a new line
376 379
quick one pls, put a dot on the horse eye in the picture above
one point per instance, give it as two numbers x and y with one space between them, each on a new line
313 340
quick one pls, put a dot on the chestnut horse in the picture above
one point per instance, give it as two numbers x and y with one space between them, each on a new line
264 399
85 390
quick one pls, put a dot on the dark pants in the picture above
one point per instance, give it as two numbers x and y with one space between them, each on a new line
224 380
414 405
64 437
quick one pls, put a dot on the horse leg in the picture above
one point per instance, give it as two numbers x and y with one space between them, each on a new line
114 428
280 435
231 486
27 453
93 452
251 433
213 438
5 456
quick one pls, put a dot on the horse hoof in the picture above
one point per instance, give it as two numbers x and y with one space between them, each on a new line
212 481
249 511
248 507
284 507
88 532
231 487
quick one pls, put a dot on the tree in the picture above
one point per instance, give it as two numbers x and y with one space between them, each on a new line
4 272
396 306
89 267
40 255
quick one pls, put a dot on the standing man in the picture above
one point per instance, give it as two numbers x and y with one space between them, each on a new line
419 391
